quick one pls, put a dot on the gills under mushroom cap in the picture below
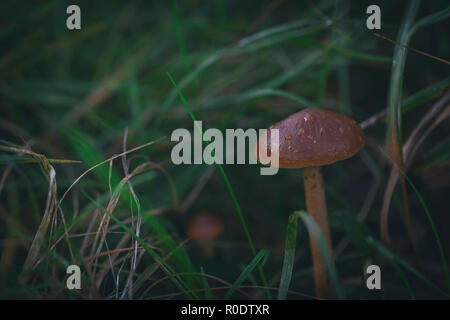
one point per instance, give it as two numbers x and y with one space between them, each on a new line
315 137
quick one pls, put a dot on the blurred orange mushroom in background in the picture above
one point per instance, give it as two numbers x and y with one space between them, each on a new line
204 228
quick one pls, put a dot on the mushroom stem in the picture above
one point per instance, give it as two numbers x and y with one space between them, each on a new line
317 208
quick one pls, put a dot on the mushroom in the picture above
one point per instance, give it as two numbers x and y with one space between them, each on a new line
203 228
310 139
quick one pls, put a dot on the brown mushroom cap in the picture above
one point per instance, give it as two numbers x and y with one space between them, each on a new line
315 137
204 226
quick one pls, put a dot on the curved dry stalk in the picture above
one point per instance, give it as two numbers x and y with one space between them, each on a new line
48 217
410 147
103 162
92 168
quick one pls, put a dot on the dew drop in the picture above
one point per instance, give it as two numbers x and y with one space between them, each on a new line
308 117
341 130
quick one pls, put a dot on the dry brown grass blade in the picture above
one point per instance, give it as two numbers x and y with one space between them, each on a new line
116 195
384 216
113 258
49 216
417 137
409 150
85 173
392 182
373 119
103 227
39 237
117 250
51 207
37 157
89 232
136 228
444 115
412 49
106 161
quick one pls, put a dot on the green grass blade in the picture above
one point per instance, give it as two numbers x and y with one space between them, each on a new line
396 82
258 260
289 255
180 38
208 294
394 129
359 55
233 100
419 98
314 229
432 18
264 39
225 178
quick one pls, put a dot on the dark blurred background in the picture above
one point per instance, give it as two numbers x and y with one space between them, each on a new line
75 94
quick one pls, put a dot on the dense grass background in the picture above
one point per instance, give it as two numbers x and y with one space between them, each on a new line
91 94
